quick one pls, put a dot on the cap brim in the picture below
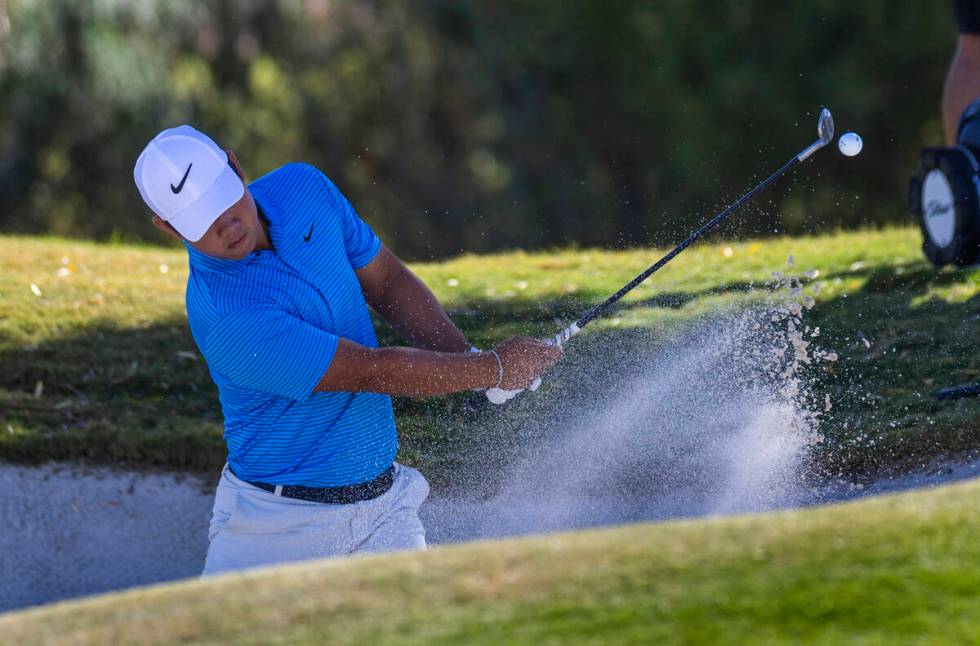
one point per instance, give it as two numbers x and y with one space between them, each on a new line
194 221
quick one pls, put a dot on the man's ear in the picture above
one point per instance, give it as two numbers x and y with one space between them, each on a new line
159 223
234 164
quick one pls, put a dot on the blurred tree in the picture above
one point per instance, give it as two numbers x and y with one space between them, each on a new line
476 125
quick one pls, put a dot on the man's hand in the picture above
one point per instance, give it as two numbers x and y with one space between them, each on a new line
524 359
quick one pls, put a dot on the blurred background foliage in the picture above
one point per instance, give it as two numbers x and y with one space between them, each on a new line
477 125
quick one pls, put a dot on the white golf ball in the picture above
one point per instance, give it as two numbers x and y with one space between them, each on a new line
850 143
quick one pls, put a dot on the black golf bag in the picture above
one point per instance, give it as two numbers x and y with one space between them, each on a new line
944 195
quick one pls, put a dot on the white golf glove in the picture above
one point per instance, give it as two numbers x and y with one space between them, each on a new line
499 395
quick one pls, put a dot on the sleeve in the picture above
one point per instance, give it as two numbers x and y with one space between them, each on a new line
360 241
267 349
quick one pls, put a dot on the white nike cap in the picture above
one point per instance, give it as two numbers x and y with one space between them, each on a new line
185 178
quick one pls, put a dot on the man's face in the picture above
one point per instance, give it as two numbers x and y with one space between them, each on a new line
235 233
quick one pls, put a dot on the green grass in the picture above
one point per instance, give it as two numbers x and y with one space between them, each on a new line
896 570
121 381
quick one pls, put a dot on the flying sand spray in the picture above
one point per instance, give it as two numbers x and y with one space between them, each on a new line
715 418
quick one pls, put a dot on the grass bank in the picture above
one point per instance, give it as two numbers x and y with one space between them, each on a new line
900 569
98 363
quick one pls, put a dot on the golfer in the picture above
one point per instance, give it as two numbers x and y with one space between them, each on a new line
281 273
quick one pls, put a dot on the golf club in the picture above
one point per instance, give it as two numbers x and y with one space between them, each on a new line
825 131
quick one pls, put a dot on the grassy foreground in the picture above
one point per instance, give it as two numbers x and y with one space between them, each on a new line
98 363
899 569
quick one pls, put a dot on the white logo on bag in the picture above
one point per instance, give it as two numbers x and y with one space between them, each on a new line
934 208
937 207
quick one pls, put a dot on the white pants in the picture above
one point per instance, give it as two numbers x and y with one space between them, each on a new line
251 527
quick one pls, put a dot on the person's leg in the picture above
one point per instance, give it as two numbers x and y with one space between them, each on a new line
252 528
962 83
391 522
224 502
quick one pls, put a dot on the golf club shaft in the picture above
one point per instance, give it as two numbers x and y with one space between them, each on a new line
593 313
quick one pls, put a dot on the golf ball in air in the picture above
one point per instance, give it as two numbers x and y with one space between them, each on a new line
850 143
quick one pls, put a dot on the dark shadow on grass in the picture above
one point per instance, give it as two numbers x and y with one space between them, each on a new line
898 344
883 415
111 395
142 396
565 309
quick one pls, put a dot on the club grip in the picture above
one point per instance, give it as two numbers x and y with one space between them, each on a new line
562 337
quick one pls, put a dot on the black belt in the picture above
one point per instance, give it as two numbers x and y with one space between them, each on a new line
345 495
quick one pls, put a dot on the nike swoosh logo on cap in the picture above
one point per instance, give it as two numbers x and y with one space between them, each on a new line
306 238
179 187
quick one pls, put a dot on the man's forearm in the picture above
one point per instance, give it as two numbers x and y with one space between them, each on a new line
408 372
413 311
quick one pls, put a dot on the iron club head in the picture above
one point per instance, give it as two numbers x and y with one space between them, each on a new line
825 126
825 130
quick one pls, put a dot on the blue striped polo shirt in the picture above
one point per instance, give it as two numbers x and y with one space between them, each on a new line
268 326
